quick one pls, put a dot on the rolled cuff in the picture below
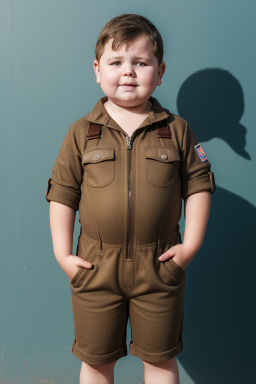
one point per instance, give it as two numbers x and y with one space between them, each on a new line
62 195
198 184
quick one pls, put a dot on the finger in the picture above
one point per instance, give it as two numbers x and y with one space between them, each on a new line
167 255
86 264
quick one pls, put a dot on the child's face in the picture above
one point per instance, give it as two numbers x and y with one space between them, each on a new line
129 76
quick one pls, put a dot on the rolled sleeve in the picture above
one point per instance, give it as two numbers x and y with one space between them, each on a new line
196 174
64 186
62 195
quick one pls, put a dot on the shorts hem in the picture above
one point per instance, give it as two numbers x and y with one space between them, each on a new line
155 357
98 359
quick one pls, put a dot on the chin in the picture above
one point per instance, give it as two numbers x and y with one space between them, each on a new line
130 101
127 103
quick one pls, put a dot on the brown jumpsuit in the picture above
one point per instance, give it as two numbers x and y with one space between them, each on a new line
129 193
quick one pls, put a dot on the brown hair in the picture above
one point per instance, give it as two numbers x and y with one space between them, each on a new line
124 29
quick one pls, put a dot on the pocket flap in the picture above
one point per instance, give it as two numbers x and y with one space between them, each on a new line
162 154
95 155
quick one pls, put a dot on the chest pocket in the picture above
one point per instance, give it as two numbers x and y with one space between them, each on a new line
99 166
162 165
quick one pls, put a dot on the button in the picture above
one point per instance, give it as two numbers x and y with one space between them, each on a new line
164 156
96 157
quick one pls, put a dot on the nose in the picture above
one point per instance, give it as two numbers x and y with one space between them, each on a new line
128 71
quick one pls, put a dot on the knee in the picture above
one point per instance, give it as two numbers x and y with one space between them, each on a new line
99 367
93 373
164 364
162 372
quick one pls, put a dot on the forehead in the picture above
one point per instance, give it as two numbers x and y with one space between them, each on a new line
140 45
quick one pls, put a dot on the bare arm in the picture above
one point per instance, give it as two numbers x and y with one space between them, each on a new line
197 210
62 220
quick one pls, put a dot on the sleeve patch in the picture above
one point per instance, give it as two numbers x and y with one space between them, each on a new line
200 152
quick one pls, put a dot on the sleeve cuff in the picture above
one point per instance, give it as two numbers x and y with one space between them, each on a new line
198 184
62 195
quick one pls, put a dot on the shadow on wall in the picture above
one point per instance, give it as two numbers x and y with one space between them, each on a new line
219 324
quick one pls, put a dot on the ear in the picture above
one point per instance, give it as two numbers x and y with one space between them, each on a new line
161 71
97 70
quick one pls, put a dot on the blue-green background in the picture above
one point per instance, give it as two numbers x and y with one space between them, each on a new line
47 82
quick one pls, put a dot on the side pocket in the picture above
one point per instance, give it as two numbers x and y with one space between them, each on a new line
86 251
174 268
75 280
76 276
170 272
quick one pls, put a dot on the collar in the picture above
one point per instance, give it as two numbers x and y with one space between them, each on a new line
99 114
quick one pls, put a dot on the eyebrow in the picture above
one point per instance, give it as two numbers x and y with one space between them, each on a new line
115 58
136 58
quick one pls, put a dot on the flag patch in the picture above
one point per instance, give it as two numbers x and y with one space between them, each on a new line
200 152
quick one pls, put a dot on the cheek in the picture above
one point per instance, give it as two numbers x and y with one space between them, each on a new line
109 77
149 77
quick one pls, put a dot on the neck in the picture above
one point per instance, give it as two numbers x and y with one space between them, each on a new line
138 109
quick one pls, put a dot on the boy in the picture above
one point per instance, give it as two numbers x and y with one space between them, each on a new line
126 166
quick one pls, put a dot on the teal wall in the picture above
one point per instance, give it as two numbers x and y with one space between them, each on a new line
47 82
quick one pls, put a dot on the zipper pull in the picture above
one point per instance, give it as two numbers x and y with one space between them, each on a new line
128 139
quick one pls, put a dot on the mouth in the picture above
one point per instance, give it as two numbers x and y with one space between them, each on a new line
128 85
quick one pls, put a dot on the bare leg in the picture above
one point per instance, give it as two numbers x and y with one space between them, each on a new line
97 374
164 373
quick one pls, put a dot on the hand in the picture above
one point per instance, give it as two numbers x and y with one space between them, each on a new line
180 253
71 263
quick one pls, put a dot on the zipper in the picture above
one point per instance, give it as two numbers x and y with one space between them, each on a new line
129 140
129 223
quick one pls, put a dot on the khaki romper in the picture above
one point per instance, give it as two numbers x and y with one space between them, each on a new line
129 193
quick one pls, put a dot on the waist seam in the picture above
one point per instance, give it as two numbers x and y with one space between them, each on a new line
159 242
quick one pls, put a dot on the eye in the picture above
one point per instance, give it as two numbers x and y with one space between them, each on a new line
115 63
141 64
